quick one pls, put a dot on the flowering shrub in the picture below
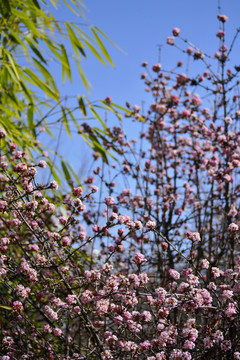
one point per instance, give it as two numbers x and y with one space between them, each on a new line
150 271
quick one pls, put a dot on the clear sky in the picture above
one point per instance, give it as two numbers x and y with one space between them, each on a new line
138 27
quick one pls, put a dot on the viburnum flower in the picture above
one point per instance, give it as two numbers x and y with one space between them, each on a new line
109 200
205 264
176 31
233 227
42 164
222 18
2 133
71 299
17 306
156 67
170 40
57 332
150 225
94 188
220 34
77 191
190 50
174 274
53 185
194 236
139 259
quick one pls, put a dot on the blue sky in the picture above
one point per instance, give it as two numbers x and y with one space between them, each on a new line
138 27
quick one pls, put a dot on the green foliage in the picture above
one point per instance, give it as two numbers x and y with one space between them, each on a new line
30 38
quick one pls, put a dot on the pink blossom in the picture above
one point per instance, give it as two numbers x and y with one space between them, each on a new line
22 291
205 264
233 227
218 336
226 345
176 31
71 299
17 306
220 34
42 164
231 310
77 191
170 40
150 225
216 272
94 188
208 343
156 67
109 200
51 314
66 241
57 332
189 345
222 18
87 296
139 259
174 274
2 133
190 50
53 185
194 236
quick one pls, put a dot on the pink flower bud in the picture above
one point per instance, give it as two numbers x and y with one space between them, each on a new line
139 259
170 40
2 133
156 68
176 31
222 18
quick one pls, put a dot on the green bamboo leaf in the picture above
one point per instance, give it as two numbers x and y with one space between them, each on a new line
96 146
13 65
102 47
65 64
14 101
26 91
95 114
48 77
120 108
52 168
76 43
82 254
31 125
82 105
12 76
8 111
74 175
93 50
106 37
54 49
65 121
65 170
35 49
17 38
5 307
72 117
76 3
68 5
7 5
24 17
36 4
83 77
38 82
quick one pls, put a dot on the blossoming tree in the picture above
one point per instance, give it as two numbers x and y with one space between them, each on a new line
143 262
